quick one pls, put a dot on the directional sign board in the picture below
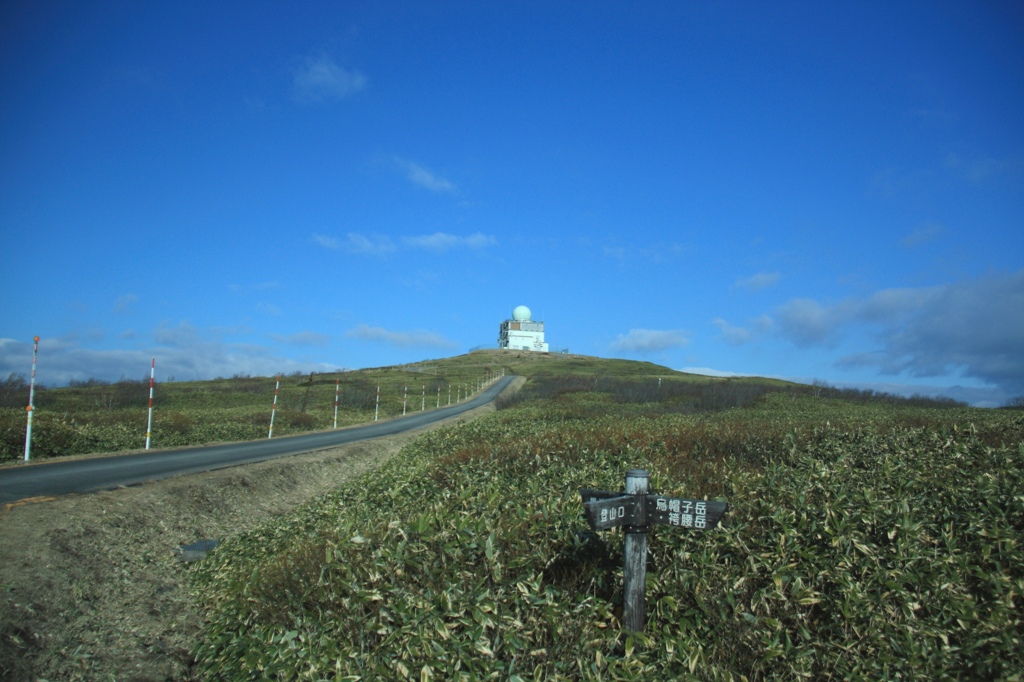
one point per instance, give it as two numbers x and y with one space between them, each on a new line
634 509
673 511
612 512
607 510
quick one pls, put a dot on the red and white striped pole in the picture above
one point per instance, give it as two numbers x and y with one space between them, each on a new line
337 387
31 399
273 410
149 423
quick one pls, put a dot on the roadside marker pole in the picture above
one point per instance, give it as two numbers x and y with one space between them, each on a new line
149 422
337 387
273 410
439 395
31 399
376 409
405 398
423 398
449 394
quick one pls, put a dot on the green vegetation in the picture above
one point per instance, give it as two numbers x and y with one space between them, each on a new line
867 538
96 416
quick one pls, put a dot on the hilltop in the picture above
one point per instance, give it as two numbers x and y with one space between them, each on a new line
98 417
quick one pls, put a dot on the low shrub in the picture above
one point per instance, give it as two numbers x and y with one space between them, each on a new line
855 548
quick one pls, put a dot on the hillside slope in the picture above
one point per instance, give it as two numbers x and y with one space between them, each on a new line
867 538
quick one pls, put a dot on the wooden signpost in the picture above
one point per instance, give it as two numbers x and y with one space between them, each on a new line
636 510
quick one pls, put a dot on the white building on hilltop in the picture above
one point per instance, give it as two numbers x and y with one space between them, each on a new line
521 332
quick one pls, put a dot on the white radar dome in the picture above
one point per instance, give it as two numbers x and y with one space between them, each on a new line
521 313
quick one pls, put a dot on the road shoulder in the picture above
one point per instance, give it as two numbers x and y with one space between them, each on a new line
91 587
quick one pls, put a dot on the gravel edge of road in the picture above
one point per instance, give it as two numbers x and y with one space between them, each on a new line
90 586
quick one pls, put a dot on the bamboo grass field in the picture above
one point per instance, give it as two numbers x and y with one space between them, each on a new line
868 537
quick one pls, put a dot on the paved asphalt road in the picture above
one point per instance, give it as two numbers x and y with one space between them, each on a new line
104 473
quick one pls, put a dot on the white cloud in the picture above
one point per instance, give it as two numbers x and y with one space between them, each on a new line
320 78
978 397
976 170
418 175
183 352
923 235
372 244
367 332
356 243
732 334
327 242
306 338
759 281
739 335
441 241
181 336
888 304
975 327
806 322
479 240
380 245
649 340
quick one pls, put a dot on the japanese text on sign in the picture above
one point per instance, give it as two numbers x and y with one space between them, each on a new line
683 513
613 514
607 510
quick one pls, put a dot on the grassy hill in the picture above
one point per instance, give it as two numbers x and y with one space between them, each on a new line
96 416
868 538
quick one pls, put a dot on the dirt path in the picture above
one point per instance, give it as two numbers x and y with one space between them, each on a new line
90 587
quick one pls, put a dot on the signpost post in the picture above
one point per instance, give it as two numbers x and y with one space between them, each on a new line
636 510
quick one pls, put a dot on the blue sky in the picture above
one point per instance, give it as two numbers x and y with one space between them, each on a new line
804 190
